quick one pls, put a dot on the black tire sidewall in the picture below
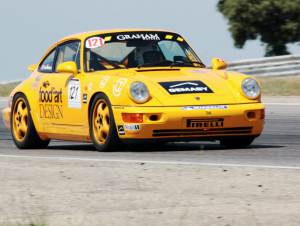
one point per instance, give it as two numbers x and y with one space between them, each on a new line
31 139
112 140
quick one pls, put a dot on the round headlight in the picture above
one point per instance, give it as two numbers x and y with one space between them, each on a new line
251 88
139 92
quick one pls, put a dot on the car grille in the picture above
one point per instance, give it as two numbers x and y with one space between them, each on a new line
202 132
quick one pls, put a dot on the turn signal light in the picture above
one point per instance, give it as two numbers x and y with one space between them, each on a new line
132 117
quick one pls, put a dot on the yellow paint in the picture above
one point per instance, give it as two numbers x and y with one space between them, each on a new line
218 64
58 121
179 39
169 37
107 38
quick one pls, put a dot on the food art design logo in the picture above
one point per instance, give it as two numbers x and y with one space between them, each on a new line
50 103
182 87
145 37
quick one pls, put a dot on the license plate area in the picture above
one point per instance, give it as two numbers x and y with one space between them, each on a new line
205 123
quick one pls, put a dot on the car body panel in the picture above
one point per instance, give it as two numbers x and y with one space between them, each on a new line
55 119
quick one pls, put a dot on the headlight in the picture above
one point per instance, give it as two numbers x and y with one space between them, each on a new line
139 92
251 88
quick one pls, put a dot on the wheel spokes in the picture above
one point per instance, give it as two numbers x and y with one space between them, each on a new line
20 107
23 127
101 121
20 118
106 111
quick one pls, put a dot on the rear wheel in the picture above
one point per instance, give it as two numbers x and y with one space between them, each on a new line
102 125
22 128
237 142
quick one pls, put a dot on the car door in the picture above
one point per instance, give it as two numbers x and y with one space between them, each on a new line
60 93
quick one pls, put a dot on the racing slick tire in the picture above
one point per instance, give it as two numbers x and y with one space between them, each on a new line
102 126
22 129
237 142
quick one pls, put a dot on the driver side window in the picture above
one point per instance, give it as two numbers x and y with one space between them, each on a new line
69 51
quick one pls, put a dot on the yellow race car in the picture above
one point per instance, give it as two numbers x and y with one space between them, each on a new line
112 86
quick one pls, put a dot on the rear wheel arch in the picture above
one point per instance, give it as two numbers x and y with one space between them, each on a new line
29 107
31 138
21 93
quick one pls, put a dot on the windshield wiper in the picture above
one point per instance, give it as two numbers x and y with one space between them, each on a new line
171 63
188 63
157 63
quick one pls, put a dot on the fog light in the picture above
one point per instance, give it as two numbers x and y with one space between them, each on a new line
132 117
251 115
153 117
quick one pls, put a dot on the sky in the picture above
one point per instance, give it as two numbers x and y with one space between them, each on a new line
28 28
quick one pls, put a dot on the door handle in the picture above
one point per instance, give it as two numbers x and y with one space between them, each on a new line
46 84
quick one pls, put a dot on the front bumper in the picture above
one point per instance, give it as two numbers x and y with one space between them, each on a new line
188 123
6 117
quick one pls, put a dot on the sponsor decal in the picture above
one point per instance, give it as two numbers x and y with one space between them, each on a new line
90 87
50 96
74 94
50 103
46 67
118 86
205 123
145 37
183 87
168 36
84 98
103 81
179 39
94 42
121 130
107 38
132 127
205 107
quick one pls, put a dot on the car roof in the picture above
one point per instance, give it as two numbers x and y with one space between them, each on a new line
84 35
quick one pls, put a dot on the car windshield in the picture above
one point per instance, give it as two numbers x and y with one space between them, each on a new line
137 50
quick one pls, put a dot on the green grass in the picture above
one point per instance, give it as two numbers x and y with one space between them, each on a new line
5 89
271 86
281 86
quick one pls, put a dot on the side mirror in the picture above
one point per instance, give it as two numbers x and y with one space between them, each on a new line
32 67
67 67
218 64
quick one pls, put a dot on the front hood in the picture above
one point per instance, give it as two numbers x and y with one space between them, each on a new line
189 86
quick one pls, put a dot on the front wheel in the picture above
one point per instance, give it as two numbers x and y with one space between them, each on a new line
102 124
236 142
23 131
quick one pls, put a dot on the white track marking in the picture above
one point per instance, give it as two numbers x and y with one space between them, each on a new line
283 104
151 162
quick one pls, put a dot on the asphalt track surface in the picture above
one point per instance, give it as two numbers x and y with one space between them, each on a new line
277 147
